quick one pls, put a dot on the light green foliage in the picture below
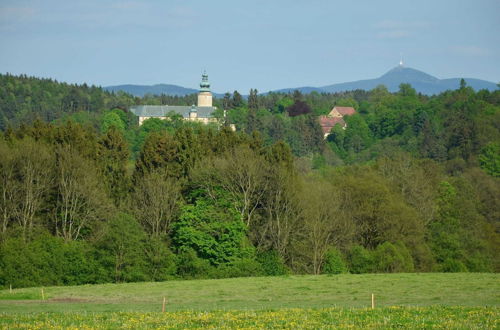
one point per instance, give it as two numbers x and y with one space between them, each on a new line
113 118
215 233
358 135
282 105
348 102
457 240
393 258
334 262
489 159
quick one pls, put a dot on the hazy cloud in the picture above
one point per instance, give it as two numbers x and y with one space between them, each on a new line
393 29
11 16
392 24
393 34
470 50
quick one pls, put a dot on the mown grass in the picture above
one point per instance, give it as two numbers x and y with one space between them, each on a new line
388 317
263 293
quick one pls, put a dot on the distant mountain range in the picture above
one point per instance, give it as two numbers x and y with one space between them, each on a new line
421 81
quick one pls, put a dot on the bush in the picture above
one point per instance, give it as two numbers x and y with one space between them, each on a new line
240 268
393 258
334 262
161 261
452 266
272 264
189 265
121 250
360 260
46 260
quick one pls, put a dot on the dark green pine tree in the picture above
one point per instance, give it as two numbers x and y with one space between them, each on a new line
226 101
237 100
113 157
253 101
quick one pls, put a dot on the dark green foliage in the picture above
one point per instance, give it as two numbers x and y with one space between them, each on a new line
361 260
161 262
46 260
160 151
24 99
120 250
334 262
240 268
189 265
272 264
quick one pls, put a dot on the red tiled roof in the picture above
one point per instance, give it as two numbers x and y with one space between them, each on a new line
345 111
327 123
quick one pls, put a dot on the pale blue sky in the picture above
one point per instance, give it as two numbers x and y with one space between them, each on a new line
247 44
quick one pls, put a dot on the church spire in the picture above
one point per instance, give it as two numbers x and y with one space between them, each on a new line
204 85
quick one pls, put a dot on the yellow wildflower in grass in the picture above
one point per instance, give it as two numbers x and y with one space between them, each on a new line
436 317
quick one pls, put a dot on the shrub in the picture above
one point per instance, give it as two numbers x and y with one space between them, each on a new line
393 258
360 260
121 250
272 263
161 262
189 265
46 260
240 268
334 262
452 266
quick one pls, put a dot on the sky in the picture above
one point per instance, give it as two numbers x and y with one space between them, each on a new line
247 44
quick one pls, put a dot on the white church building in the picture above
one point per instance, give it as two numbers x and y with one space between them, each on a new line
203 112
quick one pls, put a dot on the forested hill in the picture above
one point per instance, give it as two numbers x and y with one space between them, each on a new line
422 82
411 185
24 99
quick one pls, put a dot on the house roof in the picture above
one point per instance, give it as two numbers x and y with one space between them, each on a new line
163 110
345 111
327 123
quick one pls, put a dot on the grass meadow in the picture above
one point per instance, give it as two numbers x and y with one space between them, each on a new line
431 300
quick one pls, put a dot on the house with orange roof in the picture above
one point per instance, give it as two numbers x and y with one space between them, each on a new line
336 116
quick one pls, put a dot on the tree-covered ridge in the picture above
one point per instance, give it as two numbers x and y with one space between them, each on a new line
410 185
24 99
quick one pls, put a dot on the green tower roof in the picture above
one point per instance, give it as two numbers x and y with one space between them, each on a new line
204 85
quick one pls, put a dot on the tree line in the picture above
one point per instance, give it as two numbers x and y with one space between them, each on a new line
410 185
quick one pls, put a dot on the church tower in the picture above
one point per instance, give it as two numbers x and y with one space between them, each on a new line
204 96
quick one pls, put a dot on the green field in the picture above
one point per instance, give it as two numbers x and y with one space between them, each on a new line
461 299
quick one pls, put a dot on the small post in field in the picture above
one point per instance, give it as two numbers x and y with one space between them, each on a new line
43 295
10 288
163 306
373 301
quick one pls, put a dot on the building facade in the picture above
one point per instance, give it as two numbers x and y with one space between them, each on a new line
203 112
336 116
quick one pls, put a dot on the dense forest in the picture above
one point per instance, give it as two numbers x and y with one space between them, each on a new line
88 196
